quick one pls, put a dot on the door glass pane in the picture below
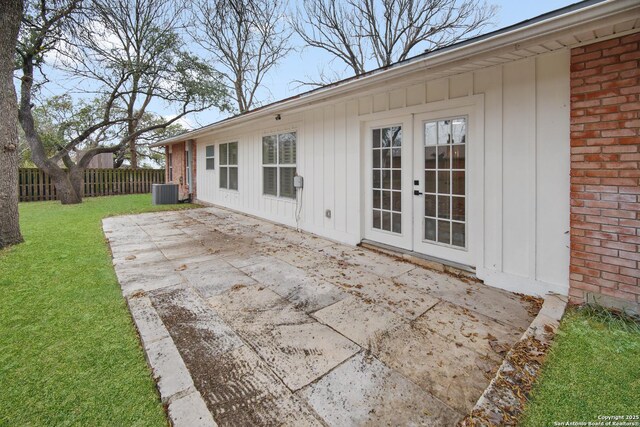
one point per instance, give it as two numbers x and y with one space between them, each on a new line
396 198
444 233
457 182
430 157
431 133
430 205
396 223
376 179
457 234
376 219
209 151
376 199
459 131
444 157
211 164
386 200
386 158
458 156
386 220
430 229
445 174
444 132
444 182
396 181
443 207
387 178
457 208
430 181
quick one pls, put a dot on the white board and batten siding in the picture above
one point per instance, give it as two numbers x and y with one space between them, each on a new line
525 202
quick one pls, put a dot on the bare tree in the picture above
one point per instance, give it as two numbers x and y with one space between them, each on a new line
358 32
10 15
124 76
246 37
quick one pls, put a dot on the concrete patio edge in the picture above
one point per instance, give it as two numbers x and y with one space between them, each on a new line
185 406
490 408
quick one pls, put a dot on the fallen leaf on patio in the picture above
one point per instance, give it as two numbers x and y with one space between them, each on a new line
130 257
181 268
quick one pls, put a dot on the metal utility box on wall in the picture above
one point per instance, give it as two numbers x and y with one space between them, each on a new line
164 194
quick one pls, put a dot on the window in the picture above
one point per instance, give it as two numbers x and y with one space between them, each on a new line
210 157
170 162
387 179
445 174
279 165
229 166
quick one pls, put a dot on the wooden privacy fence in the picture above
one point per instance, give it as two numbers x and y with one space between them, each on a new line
34 185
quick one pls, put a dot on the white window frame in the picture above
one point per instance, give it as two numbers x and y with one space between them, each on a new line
277 165
212 157
227 165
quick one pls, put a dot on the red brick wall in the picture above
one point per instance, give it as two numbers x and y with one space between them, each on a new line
180 169
605 174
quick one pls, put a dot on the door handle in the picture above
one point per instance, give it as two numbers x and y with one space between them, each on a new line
417 193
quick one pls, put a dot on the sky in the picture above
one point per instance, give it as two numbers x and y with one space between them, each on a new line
307 63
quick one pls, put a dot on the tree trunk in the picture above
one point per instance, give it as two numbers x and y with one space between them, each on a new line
68 185
10 18
134 154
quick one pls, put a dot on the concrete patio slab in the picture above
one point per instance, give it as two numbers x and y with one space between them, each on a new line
449 370
480 333
362 323
258 324
298 349
495 303
306 292
365 392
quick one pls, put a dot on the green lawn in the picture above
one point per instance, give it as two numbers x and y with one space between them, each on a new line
593 369
69 353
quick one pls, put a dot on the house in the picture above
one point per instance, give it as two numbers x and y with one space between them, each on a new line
513 155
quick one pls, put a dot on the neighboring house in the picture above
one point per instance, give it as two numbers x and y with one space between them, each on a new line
462 155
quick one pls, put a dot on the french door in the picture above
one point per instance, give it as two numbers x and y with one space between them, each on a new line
441 197
423 183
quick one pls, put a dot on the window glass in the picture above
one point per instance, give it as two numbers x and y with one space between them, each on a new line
278 160
233 153
233 178
229 172
269 180
269 149
223 177
287 148
223 154
286 182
